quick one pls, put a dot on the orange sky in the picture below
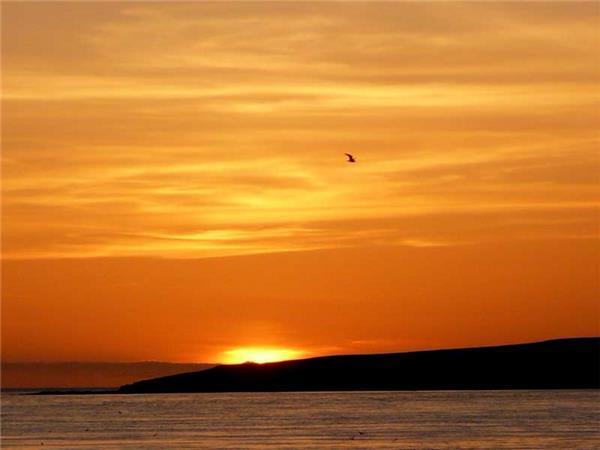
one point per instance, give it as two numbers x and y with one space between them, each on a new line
174 185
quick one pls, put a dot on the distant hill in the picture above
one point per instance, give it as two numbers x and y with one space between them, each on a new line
87 374
557 364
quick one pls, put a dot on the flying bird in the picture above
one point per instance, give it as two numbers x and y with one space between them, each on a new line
350 157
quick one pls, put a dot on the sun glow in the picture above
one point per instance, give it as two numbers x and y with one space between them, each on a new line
259 355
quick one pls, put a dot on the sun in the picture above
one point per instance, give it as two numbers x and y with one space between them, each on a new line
259 355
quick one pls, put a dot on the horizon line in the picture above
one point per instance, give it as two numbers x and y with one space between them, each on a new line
539 341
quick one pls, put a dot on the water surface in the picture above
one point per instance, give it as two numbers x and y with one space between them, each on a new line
367 420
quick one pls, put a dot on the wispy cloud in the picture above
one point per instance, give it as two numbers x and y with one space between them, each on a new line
207 129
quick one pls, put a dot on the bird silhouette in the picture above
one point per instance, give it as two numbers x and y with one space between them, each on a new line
350 157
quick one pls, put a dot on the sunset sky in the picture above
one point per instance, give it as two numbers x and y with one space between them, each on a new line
174 185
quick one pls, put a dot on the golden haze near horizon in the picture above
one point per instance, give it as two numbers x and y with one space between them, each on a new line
174 185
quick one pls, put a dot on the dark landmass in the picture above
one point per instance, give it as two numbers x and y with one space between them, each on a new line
557 364
86 375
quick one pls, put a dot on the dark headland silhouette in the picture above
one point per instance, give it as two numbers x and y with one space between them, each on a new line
557 364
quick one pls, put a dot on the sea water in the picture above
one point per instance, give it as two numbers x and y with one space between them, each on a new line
311 420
